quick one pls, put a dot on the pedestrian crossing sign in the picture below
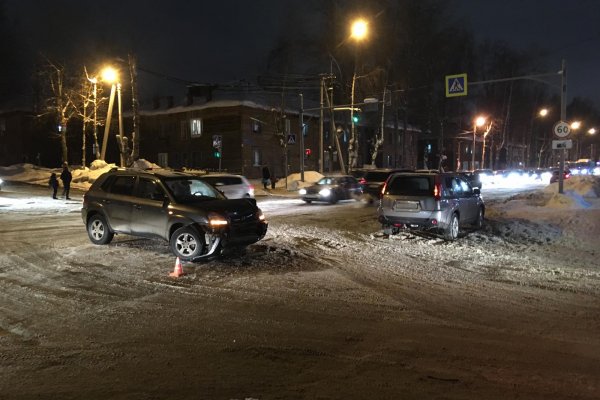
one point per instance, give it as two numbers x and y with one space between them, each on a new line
456 85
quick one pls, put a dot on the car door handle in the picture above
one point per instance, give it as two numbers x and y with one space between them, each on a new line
137 206
106 201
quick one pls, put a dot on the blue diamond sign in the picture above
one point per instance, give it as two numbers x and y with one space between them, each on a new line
456 85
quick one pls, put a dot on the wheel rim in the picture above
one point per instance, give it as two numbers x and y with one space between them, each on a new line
97 229
186 244
454 227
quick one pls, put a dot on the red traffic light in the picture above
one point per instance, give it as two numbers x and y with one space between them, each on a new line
307 152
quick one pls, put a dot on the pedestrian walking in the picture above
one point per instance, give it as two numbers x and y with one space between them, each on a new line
66 177
53 183
266 174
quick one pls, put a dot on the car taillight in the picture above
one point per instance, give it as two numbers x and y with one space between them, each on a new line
437 190
362 181
383 189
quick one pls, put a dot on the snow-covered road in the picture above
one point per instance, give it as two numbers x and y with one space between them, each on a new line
324 307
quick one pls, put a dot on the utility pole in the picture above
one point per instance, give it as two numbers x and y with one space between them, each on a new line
563 117
321 155
301 123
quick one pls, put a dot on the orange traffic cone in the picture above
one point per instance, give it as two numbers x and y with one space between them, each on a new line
178 270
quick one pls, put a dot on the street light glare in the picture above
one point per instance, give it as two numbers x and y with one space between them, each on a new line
592 131
359 29
575 125
479 121
109 75
543 112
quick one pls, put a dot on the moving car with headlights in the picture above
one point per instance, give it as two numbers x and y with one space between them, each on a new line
331 189
232 186
442 202
197 220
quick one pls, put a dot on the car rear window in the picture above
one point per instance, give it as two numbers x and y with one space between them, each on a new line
410 186
377 176
223 180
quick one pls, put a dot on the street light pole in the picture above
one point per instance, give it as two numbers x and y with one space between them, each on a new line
107 124
121 149
473 147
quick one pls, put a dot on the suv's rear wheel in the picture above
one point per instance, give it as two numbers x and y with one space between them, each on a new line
98 230
452 230
186 243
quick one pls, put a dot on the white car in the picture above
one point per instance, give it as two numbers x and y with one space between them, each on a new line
233 186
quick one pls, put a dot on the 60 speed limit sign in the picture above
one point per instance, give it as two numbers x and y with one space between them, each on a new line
562 129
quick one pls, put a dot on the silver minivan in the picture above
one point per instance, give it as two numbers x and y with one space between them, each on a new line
441 202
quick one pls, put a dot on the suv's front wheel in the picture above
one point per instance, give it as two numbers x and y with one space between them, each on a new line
186 243
452 230
98 230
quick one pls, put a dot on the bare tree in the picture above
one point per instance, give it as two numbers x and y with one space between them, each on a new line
60 101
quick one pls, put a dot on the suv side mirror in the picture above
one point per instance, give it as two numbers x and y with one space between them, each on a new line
476 191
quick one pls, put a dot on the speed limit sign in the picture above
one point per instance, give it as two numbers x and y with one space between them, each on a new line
562 129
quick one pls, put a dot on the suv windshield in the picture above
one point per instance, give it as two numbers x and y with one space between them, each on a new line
190 190
411 185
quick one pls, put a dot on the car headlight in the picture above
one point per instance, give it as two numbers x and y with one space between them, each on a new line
1 181
216 220
325 192
261 216
302 191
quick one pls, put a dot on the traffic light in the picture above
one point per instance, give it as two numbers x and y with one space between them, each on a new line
307 153
355 118
217 153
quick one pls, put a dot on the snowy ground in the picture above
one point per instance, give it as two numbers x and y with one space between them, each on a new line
325 306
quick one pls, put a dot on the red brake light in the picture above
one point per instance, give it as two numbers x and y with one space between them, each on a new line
362 181
437 190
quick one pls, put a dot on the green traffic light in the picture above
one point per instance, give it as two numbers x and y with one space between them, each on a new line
356 118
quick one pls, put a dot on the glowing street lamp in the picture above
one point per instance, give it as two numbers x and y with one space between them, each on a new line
477 122
110 75
575 125
543 112
592 131
358 32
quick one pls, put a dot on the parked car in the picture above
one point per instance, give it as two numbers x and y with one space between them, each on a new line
373 181
556 174
442 202
331 189
197 220
233 186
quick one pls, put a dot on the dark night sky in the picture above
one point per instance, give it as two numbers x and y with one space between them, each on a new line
228 40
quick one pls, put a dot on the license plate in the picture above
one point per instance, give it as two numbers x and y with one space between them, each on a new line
406 205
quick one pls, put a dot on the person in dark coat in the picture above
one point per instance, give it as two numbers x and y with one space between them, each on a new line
53 183
266 174
66 177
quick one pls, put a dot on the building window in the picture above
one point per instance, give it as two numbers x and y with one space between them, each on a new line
256 157
256 126
195 127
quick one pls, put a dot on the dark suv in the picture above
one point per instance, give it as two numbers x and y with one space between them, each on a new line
372 181
430 201
197 220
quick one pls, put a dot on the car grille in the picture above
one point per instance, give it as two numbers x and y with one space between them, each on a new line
243 223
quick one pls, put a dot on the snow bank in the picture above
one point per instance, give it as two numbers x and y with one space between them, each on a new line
294 182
